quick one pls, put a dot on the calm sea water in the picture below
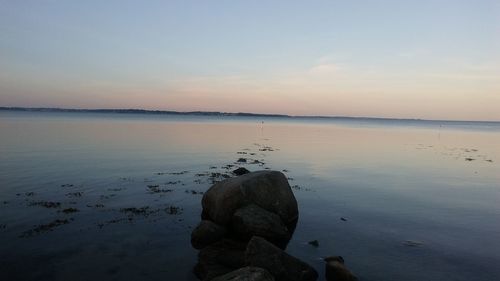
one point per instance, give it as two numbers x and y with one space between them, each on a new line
420 199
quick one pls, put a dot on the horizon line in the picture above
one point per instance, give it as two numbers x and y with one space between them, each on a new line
219 113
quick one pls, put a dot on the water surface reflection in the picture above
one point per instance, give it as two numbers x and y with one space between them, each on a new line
416 199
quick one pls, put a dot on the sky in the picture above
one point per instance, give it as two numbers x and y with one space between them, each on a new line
424 59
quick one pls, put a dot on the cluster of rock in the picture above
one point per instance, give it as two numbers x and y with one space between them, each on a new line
246 224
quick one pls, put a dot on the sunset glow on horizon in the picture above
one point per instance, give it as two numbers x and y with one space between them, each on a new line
425 59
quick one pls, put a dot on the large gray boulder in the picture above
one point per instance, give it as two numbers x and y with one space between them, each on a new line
246 274
253 220
206 233
267 189
282 266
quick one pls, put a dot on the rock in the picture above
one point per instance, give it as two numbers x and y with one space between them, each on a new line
267 189
220 258
206 233
282 266
206 272
314 243
412 243
246 274
335 270
241 171
252 220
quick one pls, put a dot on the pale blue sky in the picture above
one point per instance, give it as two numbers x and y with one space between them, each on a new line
418 59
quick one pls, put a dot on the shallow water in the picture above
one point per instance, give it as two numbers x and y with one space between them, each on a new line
419 199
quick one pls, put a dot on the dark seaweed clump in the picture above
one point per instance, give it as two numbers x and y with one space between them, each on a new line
74 194
44 227
143 211
70 210
154 188
45 204
173 210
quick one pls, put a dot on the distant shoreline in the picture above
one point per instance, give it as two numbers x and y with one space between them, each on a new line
218 113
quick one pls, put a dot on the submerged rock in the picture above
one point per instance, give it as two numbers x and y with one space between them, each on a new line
241 171
412 243
248 273
206 233
267 189
314 243
335 270
282 266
